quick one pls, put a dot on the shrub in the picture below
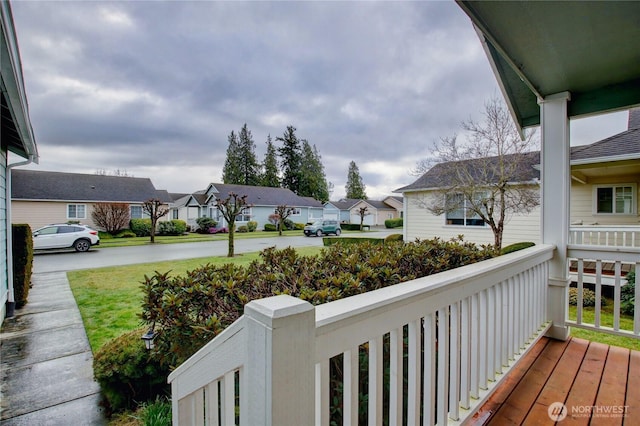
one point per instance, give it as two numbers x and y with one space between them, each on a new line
205 223
22 252
628 295
393 237
243 228
515 247
288 224
588 297
172 227
299 226
156 413
128 373
350 226
329 241
126 234
393 223
252 225
269 227
140 227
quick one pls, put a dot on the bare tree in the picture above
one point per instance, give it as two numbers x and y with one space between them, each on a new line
489 176
230 208
283 212
362 212
112 217
153 208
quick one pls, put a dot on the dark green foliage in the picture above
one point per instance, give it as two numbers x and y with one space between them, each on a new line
393 237
329 241
290 159
270 166
515 247
172 227
231 173
205 223
243 228
355 188
270 227
628 295
22 252
393 223
125 234
128 373
350 226
140 227
252 225
156 413
190 310
313 181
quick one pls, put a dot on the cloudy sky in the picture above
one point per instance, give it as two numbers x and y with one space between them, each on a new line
155 88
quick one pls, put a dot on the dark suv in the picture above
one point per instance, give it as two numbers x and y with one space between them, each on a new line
322 227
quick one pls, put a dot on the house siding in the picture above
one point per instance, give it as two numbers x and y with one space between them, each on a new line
4 268
582 203
423 225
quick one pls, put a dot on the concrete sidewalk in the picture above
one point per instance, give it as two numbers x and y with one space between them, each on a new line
46 368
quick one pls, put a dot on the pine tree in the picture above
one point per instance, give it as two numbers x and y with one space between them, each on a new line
249 168
291 158
355 188
270 166
231 173
313 181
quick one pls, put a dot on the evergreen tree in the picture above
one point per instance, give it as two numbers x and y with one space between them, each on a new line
249 167
231 173
290 158
313 181
270 166
355 188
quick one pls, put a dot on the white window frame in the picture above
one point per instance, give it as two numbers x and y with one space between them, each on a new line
297 211
468 215
131 207
244 215
76 216
614 187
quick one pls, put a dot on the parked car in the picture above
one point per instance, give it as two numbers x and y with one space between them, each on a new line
58 236
321 227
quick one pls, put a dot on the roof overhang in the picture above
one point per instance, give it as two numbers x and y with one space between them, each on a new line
540 48
17 133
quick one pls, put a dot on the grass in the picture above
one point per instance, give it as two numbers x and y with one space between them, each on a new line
606 319
109 299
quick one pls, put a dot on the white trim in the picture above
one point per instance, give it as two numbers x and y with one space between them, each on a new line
634 199
76 205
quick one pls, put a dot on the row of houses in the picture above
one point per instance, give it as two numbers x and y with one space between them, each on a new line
40 198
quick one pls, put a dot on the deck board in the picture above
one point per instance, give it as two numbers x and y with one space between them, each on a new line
633 387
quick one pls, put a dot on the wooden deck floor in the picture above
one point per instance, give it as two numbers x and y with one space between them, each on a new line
598 385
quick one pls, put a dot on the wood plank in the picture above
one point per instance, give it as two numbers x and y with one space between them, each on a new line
613 387
517 406
509 383
633 391
585 387
559 384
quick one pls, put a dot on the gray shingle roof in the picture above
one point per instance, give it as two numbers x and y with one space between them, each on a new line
624 143
266 196
43 185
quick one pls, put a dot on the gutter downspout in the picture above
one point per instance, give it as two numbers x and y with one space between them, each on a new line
11 303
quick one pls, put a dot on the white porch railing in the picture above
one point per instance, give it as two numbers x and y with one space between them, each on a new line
461 331
618 236
604 269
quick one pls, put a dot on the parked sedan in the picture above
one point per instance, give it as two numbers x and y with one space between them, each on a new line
78 237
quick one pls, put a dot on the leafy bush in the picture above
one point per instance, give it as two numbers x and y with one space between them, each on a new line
252 225
190 310
393 223
350 226
126 234
128 373
515 247
628 295
269 227
243 228
140 227
288 224
22 252
588 297
205 223
329 241
156 413
299 226
393 237
172 227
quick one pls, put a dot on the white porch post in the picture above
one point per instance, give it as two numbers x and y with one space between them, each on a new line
556 186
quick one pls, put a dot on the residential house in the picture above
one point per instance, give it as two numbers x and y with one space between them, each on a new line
605 178
262 202
347 210
16 135
40 197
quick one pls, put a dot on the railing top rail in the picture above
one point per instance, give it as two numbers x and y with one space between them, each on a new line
624 254
604 228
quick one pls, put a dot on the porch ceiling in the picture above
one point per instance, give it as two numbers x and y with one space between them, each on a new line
536 49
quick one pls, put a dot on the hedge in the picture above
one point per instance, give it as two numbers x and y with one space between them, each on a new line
22 252
172 227
140 227
393 223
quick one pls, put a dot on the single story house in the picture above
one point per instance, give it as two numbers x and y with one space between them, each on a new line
40 198
605 178
262 200
17 137
347 210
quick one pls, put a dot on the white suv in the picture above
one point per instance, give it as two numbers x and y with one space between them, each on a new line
79 237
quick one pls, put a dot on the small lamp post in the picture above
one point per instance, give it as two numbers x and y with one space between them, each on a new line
148 338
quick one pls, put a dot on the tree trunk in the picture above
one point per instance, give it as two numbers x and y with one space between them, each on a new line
153 231
232 229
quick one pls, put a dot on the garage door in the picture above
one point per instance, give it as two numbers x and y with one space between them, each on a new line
330 216
368 220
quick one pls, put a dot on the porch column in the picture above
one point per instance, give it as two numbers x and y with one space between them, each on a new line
555 192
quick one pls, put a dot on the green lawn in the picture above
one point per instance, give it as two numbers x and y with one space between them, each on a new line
606 319
109 299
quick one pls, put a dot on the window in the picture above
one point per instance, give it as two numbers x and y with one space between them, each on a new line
295 211
76 211
136 212
244 215
615 199
459 211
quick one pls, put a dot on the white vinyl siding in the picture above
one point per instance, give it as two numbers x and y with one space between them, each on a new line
583 205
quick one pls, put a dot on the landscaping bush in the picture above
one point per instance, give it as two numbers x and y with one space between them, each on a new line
126 234
329 241
172 227
140 227
204 224
515 247
299 226
393 223
128 373
22 252
628 295
350 226
393 237
270 227
252 225
588 297
288 224
243 228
